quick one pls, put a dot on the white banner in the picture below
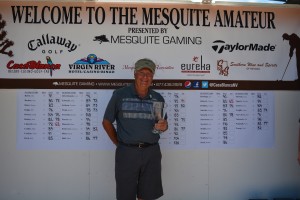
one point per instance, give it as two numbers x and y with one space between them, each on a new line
96 40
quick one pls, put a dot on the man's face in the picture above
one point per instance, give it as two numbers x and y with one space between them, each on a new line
143 78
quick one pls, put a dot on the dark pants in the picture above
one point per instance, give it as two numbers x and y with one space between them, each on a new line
138 172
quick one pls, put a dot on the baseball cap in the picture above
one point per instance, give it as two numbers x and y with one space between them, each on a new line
145 63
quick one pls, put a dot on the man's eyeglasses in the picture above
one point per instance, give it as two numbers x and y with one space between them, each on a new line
144 74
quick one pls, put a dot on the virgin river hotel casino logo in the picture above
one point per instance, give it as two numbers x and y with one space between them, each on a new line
92 64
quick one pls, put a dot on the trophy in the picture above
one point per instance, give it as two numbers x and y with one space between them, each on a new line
158 113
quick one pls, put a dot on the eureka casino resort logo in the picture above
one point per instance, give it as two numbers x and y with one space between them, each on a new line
197 67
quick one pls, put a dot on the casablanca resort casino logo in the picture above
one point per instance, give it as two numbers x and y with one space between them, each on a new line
33 67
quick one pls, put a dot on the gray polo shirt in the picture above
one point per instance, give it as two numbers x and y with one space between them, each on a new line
133 115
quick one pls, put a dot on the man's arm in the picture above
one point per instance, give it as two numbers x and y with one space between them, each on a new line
110 130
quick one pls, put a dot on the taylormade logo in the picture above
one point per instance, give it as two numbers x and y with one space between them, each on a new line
219 46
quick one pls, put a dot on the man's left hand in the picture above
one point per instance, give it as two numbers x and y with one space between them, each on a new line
161 125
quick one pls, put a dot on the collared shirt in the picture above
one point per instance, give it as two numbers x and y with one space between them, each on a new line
133 115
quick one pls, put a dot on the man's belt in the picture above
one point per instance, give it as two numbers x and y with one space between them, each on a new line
139 145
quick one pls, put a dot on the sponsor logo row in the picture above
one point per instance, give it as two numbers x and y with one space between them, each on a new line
196 66
219 46
62 43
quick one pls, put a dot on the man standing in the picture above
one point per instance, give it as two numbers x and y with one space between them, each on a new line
138 155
